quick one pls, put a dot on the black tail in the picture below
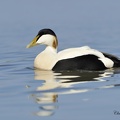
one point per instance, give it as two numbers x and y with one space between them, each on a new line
115 59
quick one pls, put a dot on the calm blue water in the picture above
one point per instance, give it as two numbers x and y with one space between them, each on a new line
31 94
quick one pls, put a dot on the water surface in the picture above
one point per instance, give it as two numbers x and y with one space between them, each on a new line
27 93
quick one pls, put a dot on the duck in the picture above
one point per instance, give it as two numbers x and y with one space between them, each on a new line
79 58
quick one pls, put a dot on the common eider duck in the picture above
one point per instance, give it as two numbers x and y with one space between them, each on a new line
80 58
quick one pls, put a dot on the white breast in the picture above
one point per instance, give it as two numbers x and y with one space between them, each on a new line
46 59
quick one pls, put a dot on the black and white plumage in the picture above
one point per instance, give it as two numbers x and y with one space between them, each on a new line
81 58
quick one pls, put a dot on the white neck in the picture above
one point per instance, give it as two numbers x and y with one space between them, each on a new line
50 50
46 59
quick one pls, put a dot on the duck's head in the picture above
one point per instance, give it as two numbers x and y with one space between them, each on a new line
46 37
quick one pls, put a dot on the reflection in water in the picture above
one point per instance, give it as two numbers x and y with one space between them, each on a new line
63 83
46 101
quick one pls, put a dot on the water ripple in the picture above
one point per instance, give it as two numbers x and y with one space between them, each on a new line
64 83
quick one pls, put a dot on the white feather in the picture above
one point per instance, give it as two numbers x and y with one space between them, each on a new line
46 59
46 39
107 62
80 51
49 57
85 50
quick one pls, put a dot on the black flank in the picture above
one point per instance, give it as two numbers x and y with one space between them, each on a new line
85 62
